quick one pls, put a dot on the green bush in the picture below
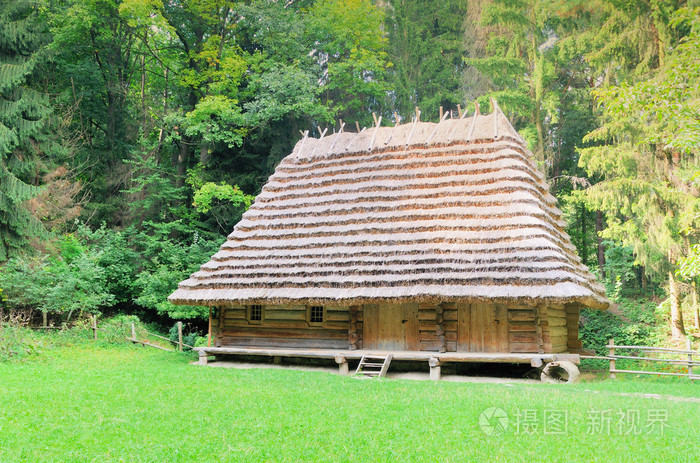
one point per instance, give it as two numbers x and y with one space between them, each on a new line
189 338
635 322
17 342
171 261
66 280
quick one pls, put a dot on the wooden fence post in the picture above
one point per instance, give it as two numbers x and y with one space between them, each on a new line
133 332
94 327
690 358
612 360
179 336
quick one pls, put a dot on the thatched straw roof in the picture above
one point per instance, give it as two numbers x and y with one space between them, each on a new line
422 211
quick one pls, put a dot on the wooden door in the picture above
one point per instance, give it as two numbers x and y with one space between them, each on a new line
390 326
482 327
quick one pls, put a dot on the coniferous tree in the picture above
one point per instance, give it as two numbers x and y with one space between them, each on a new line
23 115
647 159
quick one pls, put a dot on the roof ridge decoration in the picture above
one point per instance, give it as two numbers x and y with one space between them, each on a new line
437 203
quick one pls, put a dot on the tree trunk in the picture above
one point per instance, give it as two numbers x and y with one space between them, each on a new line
183 157
677 329
601 248
696 310
584 232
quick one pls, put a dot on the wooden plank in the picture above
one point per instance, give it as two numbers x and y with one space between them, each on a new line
451 346
450 325
476 333
429 336
520 337
338 316
521 315
287 343
450 315
428 346
501 320
558 331
426 325
284 314
235 314
257 331
530 347
554 312
559 344
463 324
340 326
146 343
390 328
556 321
331 353
426 315
521 326
426 306
291 324
410 324
370 333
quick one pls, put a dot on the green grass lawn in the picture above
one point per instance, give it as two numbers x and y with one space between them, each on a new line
124 403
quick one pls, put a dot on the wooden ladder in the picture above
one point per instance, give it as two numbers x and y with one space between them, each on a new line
374 365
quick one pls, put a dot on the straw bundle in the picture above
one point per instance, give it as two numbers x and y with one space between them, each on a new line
454 211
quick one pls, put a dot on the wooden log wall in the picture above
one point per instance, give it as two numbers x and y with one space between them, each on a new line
356 327
557 328
437 325
524 332
286 326
482 327
573 314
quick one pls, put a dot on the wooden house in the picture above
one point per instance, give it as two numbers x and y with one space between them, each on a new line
421 237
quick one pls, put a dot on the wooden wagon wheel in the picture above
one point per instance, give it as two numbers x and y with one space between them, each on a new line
560 372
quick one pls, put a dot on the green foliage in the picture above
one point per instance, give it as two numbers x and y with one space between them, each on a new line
23 116
646 144
69 280
17 343
169 262
217 119
689 266
207 193
350 46
189 338
635 322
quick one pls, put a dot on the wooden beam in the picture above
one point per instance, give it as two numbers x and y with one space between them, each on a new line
435 372
342 362
611 352
209 332
478 357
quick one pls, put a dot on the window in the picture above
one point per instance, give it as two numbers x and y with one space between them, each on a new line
316 315
255 313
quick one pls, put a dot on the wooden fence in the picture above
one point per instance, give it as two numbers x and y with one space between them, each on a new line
144 341
680 358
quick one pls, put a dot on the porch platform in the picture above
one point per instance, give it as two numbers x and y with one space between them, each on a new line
434 359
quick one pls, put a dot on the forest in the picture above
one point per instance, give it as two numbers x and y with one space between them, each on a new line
134 133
